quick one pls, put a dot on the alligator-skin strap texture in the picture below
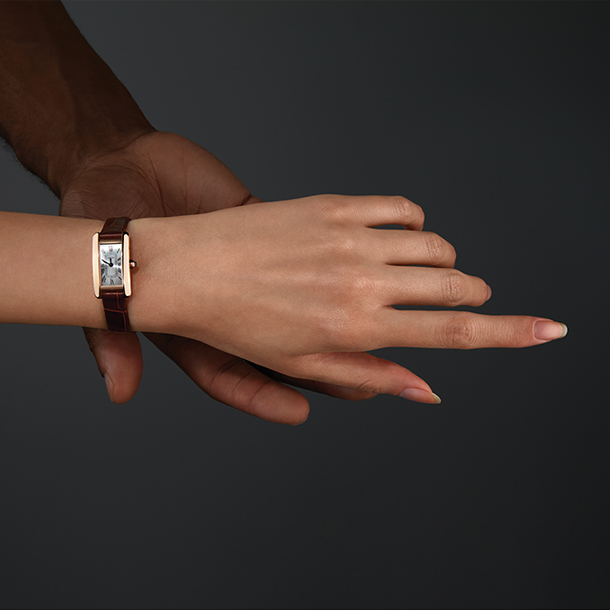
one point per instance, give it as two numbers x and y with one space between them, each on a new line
115 302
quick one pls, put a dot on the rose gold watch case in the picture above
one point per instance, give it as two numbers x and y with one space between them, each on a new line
126 267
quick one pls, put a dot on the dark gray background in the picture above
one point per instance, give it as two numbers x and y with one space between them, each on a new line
493 117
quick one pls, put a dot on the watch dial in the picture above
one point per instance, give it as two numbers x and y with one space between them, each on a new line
111 264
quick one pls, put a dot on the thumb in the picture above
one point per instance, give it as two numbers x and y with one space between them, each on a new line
366 373
119 359
234 381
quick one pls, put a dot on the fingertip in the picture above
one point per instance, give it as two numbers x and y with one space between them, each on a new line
423 396
109 386
123 394
548 330
296 410
301 422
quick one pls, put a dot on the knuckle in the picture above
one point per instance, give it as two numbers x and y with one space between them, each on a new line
333 207
345 321
307 366
351 288
369 385
403 207
331 326
481 292
435 248
459 332
342 331
361 287
453 288
346 246
217 383
353 337
250 400
451 254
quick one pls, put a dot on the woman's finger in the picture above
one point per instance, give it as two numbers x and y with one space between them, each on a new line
330 389
375 210
432 286
366 373
233 381
460 330
396 247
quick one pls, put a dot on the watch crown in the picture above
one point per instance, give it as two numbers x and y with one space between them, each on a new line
133 264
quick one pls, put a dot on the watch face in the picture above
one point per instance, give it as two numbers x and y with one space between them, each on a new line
111 265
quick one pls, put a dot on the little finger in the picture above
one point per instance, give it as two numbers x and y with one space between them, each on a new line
375 210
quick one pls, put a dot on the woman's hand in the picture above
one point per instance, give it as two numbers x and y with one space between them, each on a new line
163 174
152 175
306 287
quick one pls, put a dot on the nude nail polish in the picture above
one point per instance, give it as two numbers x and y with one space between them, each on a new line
545 330
420 396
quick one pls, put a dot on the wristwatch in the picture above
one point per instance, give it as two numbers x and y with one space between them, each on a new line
112 272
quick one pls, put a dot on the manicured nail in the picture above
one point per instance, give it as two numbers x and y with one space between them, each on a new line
420 396
545 330
109 386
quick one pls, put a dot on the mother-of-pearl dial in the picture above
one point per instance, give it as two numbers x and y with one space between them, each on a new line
111 265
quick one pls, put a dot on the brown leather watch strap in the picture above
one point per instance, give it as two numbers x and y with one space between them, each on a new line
115 308
114 228
115 301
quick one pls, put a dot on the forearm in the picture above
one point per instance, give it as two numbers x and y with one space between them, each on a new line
46 272
60 104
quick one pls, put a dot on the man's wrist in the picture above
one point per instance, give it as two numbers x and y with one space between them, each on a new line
61 105
65 158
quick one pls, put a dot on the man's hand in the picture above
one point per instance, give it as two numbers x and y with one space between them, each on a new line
162 174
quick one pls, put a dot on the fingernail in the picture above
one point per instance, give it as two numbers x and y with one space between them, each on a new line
109 386
545 330
420 396
301 423
488 292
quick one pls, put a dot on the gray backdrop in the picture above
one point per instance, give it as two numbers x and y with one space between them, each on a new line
493 117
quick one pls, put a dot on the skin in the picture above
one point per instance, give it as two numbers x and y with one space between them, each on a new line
72 123
163 175
303 287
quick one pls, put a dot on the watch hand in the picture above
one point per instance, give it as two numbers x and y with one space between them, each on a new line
109 264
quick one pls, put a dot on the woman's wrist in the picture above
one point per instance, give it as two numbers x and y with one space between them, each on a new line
153 303
46 272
